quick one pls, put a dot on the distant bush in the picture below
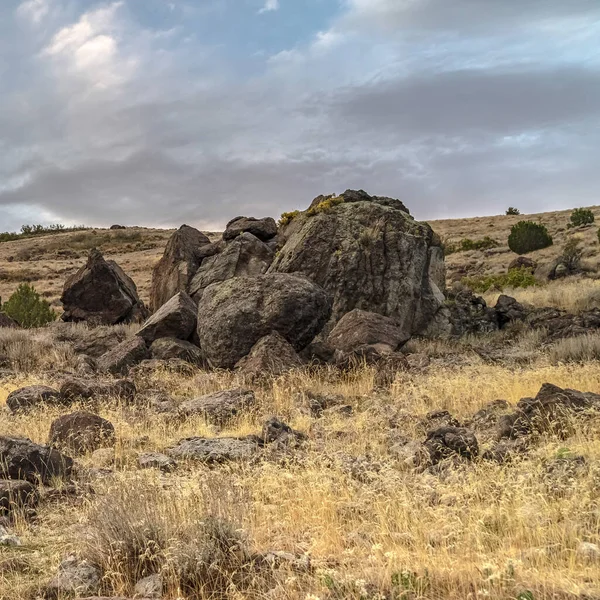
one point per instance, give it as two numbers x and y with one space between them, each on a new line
571 255
288 217
27 308
469 244
527 236
581 216
28 231
515 278
511 210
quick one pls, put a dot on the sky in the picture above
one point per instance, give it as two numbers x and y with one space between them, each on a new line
163 112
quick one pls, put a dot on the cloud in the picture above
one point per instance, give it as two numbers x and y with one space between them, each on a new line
270 5
33 10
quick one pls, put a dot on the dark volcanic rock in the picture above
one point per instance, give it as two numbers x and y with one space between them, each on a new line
264 229
272 355
81 432
102 294
21 458
368 253
120 359
176 319
235 314
178 265
215 450
17 494
155 460
446 442
470 314
170 348
523 262
220 407
75 389
245 256
31 397
509 310
6 321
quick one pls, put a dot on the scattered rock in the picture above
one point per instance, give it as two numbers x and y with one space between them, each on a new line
172 365
120 359
179 263
174 319
149 587
17 494
439 418
85 366
8 539
588 552
32 396
320 402
101 293
20 458
6 321
523 262
505 451
235 314
264 229
470 314
509 310
447 442
77 389
220 407
171 348
215 450
155 460
99 340
81 432
277 432
75 578
272 355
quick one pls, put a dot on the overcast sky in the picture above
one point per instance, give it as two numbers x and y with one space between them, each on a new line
160 112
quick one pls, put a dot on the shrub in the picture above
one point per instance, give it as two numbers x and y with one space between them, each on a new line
515 278
27 308
28 231
581 216
511 210
527 236
571 255
468 244
325 205
288 217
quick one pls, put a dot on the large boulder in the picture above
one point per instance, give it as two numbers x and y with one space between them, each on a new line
509 310
220 407
264 229
235 314
76 389
245 256
101 293
362 328
179 263
170 348
368 253
176 319
127 354
32 396
21 458
81 432
272 355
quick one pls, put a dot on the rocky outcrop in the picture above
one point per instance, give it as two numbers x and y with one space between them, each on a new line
447 442
235 314
367 252
469 313
21 458
264 229
127 354
174 319
272 355
31 397
170 348
244 256
220 407
179 263
81 432
101 293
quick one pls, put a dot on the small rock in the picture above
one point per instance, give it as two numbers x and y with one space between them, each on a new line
216 450
220 407
149 587
264 229
77 389
9 539
31 397
156 460
81 432
271 356
446 442
75 578
17 494
104 457
174 319
588 551
127 354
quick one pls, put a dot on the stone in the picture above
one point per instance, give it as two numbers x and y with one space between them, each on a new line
171 348
271 356
7 322
179 263
101 293
523 262
156 460
447 442
17 494
31 397
127 354
470 314
75 577
508 310
588 552
367 252
264 229
245 256
362 328
277 432
149 587
439 418
20 458
118 227
99 340
8 539
76 389
220 407
81 432
216 450
235 314
175 319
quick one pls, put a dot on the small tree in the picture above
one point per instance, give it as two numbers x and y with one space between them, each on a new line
581 216
511 210
527 236
27 308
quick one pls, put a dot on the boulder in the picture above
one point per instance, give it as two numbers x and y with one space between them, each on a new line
523 262
220 407
175 319
99 340
75 578
235 314
362 328
32 396
179 263
6 321
101 293
170 348
276 431
81 432
367 252
447 442
469 313
16 495
155 460
245 256
509 310
216 450
120 359
21 458
264 229
272 355
75 389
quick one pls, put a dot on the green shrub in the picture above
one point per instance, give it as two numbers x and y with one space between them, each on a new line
511 210
469 244
581 216
288 217
515 278
571 255
325 205
28 231
527 236
27 308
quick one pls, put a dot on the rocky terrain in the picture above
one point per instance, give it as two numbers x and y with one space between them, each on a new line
304 411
